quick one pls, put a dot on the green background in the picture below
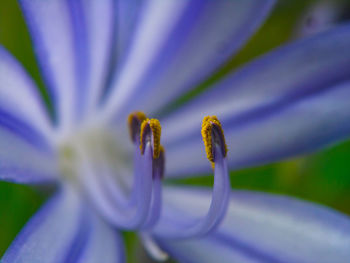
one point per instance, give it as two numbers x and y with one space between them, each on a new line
322 177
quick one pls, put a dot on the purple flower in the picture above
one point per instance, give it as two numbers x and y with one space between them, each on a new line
101 61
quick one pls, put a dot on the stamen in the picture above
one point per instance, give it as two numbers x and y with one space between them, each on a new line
129 216
213 134
135 120
150 132
141 209
214 142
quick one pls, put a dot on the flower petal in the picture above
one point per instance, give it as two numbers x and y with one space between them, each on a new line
260 228
128 15
291 101
21 161
26 154
19 95
56 232
104 244
100 39
60 44
170 34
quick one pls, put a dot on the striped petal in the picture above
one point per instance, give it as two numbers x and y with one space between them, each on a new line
21 159
291 101
26 153
58 232
171 34
100 39
19 95
59 36
259 228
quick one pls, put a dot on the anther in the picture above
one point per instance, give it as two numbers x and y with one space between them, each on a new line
135 120
213 135
150 133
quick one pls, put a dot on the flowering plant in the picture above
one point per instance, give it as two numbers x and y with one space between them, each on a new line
105 62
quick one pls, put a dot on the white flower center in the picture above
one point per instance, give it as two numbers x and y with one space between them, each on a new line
99 147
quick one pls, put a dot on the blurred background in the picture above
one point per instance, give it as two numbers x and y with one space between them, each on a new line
322 177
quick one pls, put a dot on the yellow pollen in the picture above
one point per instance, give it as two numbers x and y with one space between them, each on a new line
136 117
209 122
155 129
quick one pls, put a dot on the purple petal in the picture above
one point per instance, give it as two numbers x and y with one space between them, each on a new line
100 23
19 95
291 101
259 228
59 39
21 161
26 153
104 244
170 34
128 16
56 233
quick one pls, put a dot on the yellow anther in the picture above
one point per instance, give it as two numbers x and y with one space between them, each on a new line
134 122
150 128
213 133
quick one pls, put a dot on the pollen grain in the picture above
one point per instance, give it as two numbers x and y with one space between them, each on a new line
151 127
209 123
134 123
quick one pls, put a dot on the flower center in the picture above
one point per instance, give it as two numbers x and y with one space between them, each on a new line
97 146
126 187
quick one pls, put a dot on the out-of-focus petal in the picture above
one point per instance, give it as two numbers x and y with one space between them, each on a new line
289 102
105 245
127 18
21 159
176 45
19 95
26 154
57 233
59 38
259 228
100 19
